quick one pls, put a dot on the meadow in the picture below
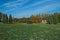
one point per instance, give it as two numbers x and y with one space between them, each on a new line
20 31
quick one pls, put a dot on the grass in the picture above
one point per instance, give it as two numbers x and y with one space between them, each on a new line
29 31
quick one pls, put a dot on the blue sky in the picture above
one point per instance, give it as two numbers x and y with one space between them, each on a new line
26 8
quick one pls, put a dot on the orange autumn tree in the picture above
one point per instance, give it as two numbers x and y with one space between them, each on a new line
36 19
33 19
22 20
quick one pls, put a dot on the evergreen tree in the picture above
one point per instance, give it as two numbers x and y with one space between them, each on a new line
10 18
52 19
29 21
58 16
0 17
55 18
49 19
6 18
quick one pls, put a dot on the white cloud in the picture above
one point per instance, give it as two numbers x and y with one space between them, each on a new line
13 3
37 3
50 7
10 10
17 3
47 8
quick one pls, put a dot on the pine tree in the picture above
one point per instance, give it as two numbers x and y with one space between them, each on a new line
58 16
55 18
6 18
10 18
0 17
49 19
52 19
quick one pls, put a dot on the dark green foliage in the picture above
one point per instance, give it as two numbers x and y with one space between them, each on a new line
58 15
55 18
10 18
29 21
49 20
15 20
6 18
1 17
0 14
52 19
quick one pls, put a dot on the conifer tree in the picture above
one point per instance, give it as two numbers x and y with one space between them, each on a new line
6 18
0 17
55 18
10 18
58 16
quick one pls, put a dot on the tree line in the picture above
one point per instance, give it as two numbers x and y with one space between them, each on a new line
5 18
49 18
53 18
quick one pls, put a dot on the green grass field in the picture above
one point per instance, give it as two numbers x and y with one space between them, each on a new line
29 32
